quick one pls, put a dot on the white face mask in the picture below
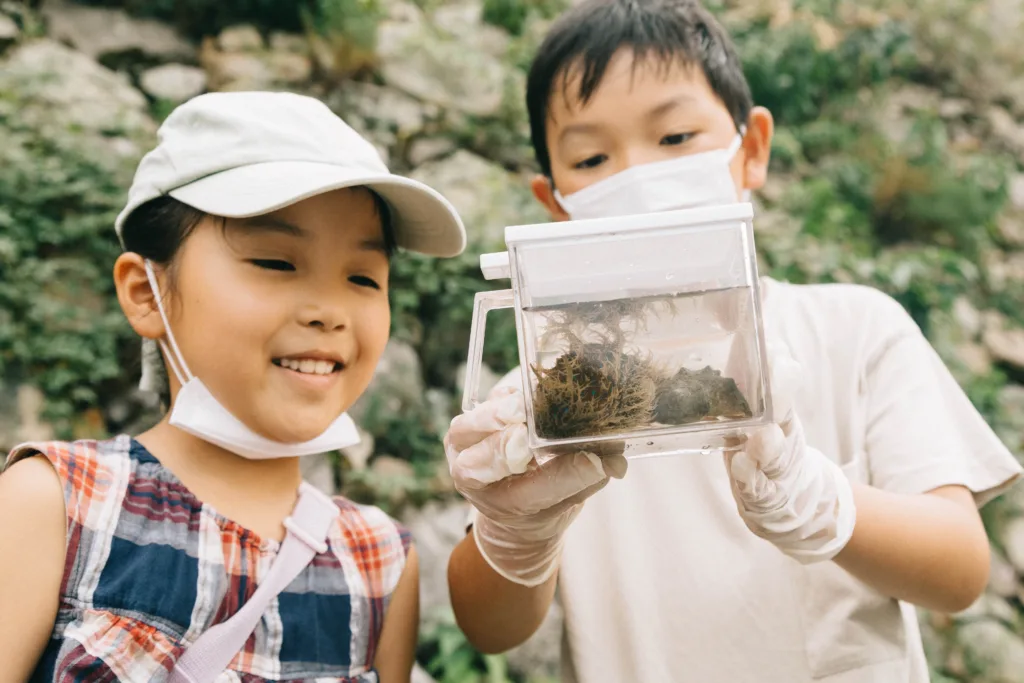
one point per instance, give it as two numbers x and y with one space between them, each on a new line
199 413
682 183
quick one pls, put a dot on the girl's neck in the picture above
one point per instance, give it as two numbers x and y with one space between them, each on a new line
258 494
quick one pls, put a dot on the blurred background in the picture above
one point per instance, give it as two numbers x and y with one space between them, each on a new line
898 163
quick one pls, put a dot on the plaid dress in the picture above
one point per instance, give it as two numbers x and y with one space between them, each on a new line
149 568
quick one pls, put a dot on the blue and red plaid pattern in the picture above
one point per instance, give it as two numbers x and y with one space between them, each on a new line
149 567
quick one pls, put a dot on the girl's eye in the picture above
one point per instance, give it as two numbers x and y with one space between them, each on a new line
273 264
676 139
592 162
363 281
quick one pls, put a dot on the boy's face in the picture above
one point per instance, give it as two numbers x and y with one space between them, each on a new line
643 112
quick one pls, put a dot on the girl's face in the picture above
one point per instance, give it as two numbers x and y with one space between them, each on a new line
284 316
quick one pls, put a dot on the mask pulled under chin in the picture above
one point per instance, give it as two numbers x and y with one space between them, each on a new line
685 182
196 411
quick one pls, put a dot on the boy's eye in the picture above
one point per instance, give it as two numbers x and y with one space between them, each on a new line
364 281
272 264
592 162
676 139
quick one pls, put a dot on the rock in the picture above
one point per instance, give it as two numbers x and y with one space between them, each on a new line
359 454
463 18
289 42
459 73
1011 227
1006 345
259 70
383 106
1012 538
389 467
436 529
397 385
487 196
1016 191
422 150
1002 579
957 108
1010 423
1008 131
439 410
173 82
243 38
59 92
988 606
488 378
318 470
992 648
419 675
9 31
99 32
21 411
967 316
975 357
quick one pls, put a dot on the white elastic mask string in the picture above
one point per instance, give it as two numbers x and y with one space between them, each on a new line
175 360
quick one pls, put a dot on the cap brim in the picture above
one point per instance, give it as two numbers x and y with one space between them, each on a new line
424 221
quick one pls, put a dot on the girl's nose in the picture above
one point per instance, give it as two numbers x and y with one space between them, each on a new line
326 319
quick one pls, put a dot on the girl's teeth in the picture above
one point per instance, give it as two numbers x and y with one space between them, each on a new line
309 366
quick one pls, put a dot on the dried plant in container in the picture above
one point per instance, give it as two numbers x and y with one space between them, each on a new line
593 389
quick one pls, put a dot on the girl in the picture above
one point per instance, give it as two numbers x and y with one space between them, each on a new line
257 239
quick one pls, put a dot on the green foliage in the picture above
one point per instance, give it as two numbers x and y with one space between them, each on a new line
348 28
60 325
202 17
449 657
794 77
432 307
513 15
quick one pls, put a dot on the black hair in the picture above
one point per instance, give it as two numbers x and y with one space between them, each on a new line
592 32
157 229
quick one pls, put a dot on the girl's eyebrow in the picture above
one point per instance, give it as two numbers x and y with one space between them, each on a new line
271 224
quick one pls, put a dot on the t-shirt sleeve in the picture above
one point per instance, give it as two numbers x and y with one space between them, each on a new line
922 431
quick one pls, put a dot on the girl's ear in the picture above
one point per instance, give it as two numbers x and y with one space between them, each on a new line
137 299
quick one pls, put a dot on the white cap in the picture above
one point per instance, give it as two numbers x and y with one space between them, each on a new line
239 154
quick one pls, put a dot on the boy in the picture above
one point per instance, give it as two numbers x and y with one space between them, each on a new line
801 558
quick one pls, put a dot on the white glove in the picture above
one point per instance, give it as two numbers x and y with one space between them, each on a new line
787 492
524 508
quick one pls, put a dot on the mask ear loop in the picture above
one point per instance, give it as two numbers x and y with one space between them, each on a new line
176 358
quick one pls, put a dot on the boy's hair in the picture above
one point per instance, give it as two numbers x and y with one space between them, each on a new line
587 36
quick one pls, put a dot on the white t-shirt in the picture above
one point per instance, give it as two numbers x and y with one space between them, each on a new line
661 581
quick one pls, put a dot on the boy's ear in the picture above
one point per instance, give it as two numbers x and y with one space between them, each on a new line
136 296
757 148
545 194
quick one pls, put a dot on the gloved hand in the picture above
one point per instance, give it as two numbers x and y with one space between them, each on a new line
524 507
787 492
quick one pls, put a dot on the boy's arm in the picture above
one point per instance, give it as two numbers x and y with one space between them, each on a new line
908 524
927 549
494 613
32 548
396 649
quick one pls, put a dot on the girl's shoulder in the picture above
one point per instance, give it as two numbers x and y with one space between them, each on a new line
88 470
377 542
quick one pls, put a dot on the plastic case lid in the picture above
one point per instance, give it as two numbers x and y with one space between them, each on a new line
630 256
